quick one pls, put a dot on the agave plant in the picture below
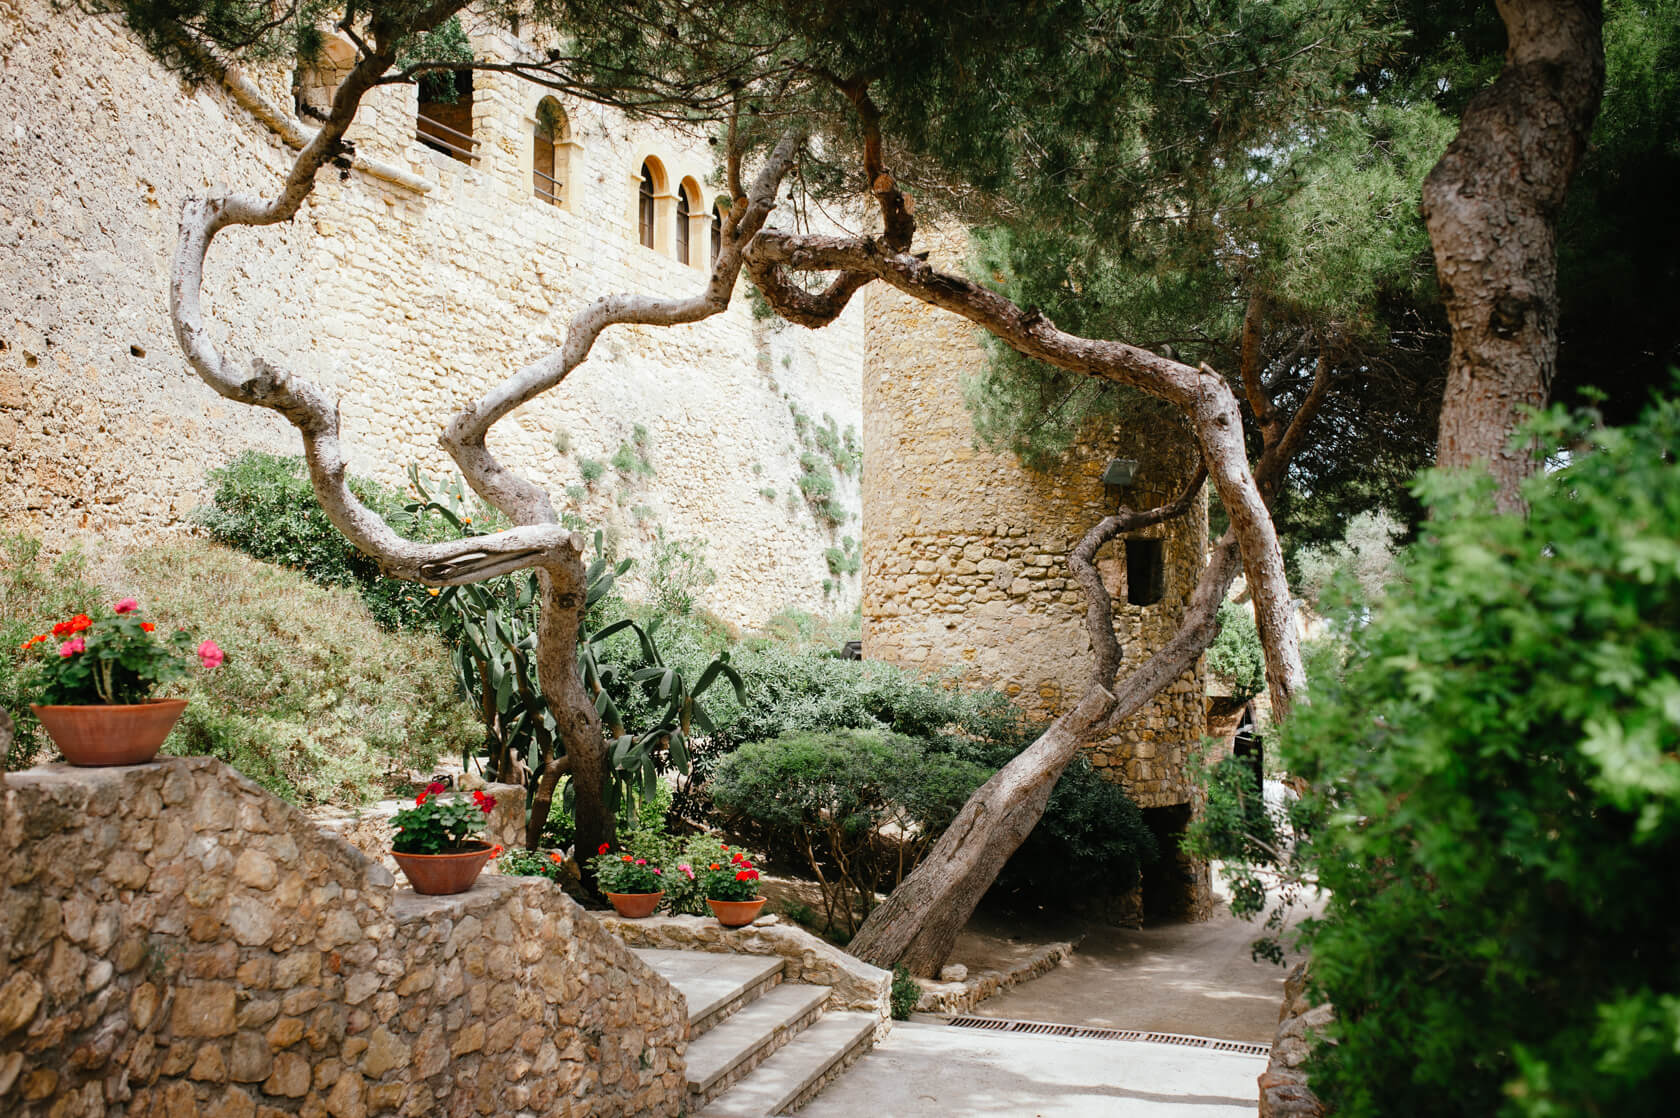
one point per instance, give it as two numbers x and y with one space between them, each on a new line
493 626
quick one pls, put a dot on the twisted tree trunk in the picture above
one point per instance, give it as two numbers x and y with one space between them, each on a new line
1492 205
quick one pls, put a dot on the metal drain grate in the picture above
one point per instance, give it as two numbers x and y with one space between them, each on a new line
1046 1028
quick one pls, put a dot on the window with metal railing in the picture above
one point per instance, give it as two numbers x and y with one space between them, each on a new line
548 163
444 120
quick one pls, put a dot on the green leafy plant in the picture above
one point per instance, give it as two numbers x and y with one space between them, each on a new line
438 826
905 993
626 872
859 807
1235 655
494 628
1491 792
112 657
591 470
677 572
264 505
816 482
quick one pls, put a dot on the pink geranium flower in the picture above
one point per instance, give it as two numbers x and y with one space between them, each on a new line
209 655
71 647
127 605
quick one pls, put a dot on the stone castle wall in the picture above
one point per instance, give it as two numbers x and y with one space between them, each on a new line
965 557
403 300
176 942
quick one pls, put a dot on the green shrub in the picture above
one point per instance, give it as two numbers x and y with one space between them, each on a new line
591 470
264 505
859 807
1235 655
1091 842
1495 801
906 992
677 573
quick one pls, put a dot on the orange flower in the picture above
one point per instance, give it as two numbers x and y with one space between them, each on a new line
556 859
147 626
495 850
714 866
625 858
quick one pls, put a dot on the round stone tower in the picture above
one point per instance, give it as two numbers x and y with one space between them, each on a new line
965 566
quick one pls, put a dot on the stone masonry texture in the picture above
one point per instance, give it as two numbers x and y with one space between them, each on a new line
965 552
403 303
177 943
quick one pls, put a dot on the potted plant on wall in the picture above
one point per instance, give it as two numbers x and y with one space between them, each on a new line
732 890
436 843
633 885
97 674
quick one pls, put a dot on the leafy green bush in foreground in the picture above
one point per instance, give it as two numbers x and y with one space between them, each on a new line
1496 802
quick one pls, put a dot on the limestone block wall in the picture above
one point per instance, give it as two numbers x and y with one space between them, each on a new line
176 942
965 550
403 302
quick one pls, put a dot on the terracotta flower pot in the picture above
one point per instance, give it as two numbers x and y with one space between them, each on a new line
114 734
442 874
735 914
635 905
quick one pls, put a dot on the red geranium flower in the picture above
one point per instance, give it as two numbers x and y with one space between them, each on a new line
147 626
737 857
420 799
604 847
437 788
747 875
624 858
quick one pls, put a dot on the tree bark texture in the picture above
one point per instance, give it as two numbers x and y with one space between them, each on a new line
1492 205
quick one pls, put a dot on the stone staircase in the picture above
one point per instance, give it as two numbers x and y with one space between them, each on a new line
757 1046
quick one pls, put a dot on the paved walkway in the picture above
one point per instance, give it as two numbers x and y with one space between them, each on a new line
1191 979
925 1070
1196 979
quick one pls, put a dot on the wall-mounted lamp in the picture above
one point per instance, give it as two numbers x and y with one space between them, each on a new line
1120 472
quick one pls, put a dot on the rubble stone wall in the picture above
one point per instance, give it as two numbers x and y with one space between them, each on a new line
402 302
176 942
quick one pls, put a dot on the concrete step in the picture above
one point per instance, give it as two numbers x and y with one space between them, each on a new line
735 1046
714 985
799 1070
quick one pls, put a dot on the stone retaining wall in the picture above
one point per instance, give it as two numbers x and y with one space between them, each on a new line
1283 1086
960 997
176 942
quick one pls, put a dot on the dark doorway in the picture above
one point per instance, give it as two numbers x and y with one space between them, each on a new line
1146 572
1169 882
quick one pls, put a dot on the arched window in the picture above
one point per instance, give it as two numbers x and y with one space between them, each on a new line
691 223
717 232
548 153
682 225
644 205
444 121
